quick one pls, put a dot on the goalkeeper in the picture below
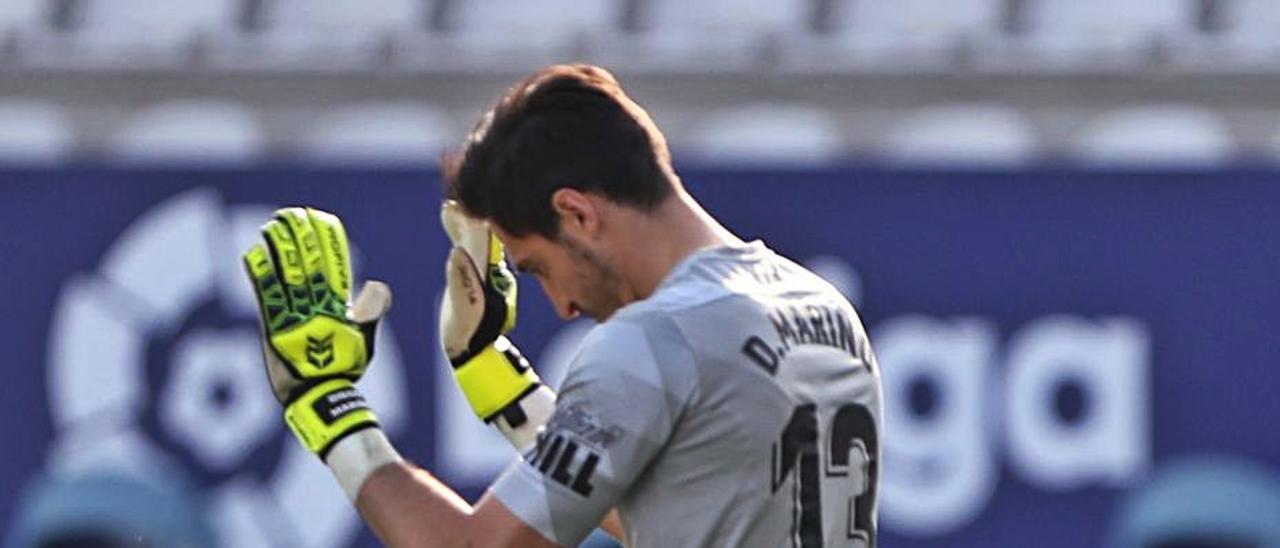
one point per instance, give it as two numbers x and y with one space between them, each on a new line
728 396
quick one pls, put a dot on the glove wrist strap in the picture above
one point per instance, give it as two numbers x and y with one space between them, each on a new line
495 378
536 409
326 412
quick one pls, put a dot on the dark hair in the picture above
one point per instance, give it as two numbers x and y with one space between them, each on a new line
566 126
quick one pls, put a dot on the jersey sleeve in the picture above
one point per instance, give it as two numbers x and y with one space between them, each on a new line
614 413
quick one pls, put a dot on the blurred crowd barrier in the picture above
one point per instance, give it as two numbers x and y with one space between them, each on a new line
1070 358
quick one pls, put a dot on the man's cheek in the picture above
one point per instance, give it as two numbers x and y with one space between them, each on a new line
558 301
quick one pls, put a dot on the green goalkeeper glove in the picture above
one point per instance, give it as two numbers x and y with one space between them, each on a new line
316 342
479 308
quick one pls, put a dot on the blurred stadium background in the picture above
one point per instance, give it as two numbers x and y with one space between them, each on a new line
1056 216
989 81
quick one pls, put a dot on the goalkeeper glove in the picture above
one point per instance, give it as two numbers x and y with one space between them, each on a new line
316 342
479 308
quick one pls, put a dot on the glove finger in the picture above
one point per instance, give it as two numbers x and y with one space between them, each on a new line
272 301
463 305
373 301
468 233
502 282
275 315
305 236
287 259
497 253
336 251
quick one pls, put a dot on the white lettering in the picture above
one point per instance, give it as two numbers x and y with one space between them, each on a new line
1107 361
938 469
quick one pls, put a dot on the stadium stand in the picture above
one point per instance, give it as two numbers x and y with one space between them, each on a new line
1170 135
34 132
206 131
1239 33
864 63
768 134
125 33
332 34
506 34
18 17
913 32
1252 18
385 133
737 35
1104 32
967 135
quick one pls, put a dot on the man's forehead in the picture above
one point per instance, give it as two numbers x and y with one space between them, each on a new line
505 237
518 248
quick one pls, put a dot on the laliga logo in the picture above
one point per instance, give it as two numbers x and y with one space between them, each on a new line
155 364
1070 405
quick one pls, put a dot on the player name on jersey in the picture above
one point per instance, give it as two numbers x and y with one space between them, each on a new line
813 324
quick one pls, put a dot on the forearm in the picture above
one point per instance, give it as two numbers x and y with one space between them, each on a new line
403 504
406 506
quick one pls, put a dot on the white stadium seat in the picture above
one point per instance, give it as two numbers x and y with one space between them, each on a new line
1159 135
33 132
387 133
171 17
196 131
325 16
1064 31
523 33
1246 35
1251 16
880 29
926 16
25 23
961 135
334 33
123 30
690 18
712 34
768 134
21 14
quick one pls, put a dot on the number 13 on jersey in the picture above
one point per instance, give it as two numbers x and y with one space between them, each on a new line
834 456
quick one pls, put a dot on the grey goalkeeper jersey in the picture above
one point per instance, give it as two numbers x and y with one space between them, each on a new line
739 405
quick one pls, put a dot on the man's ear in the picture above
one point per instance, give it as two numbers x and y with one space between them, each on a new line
579 212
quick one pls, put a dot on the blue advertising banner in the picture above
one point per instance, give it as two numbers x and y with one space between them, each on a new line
1065 354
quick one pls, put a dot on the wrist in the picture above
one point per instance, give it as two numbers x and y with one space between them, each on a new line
323 413
356 457
536 409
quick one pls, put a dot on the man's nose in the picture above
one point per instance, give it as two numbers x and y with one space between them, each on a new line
565 309
563 305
